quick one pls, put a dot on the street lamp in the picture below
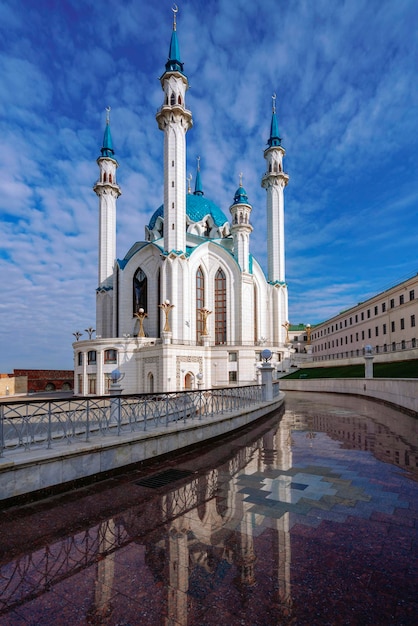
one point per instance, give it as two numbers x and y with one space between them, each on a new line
90 331
141 315
166 307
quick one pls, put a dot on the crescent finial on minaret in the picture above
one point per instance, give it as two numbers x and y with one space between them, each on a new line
240 179
274 102
198 163
189 187
175 10
108 115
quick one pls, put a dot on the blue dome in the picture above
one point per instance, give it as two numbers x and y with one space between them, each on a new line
197 207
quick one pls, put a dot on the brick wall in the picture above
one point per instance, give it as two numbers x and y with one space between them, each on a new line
47 380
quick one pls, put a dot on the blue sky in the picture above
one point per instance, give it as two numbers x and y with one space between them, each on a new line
345 75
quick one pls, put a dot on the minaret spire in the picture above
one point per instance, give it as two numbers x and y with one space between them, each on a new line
174 120
108 191
241 227
198 191
274 181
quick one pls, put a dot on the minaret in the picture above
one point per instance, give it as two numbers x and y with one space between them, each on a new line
108 192
241 227
175 120
274 181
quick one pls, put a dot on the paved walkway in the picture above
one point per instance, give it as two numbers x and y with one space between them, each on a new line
310 517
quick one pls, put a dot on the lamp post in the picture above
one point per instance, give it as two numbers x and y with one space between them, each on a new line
286 326
90 331
77 335
166 307
368 362
141 315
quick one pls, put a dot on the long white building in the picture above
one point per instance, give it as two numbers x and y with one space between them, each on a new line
189 305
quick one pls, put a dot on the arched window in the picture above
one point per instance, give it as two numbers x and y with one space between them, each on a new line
140 289
110 356
172 99
200 301
104 177
220 307
179 100
150 383
110 178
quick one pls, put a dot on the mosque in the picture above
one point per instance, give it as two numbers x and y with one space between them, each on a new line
189 306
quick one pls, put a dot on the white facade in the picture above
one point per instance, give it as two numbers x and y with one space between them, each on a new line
387 322
189 305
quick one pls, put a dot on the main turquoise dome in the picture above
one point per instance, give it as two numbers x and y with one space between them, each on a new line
197 208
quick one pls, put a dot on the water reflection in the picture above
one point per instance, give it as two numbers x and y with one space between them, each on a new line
269 527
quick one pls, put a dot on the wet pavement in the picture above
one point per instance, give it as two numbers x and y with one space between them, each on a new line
310 517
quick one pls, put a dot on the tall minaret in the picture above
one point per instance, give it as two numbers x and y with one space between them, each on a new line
274 181
241 227
108 192
175 120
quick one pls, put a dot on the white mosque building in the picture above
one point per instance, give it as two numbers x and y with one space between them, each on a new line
189 306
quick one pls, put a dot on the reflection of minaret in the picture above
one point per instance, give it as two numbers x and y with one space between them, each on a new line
103 587
283 460
178 576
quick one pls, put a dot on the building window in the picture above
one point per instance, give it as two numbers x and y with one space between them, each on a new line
232 357
413 342
402 323
356 336
220 307
376 331
368 313
412 294
393 346
91 383
200 302
80 357
110 356
403 344
377 349
362 334
412 321
383 307
356 319
369 333
392 326
345 323
385 347
384 329
140 289
375 310
401 299
232 377
362 315
91 357
392 303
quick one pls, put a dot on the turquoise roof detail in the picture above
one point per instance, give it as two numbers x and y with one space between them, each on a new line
274 139
107 148
198 190
240 196
197 207
173 63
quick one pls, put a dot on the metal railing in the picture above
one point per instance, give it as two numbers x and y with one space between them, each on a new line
32 424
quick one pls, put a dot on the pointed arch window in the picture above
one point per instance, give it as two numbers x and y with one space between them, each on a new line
172 99
140 291
220 307
200 301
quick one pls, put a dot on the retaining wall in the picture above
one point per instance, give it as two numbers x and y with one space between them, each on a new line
402 393
26 472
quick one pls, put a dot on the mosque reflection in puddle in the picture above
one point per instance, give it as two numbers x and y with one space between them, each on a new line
208 539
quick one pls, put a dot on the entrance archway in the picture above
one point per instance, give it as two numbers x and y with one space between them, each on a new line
188 381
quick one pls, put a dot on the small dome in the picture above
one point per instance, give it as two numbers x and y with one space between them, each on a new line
240 196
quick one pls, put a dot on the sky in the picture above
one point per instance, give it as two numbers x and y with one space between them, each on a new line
345 76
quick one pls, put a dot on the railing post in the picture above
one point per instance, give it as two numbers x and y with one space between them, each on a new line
88 420
49 426
2 446
145 414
